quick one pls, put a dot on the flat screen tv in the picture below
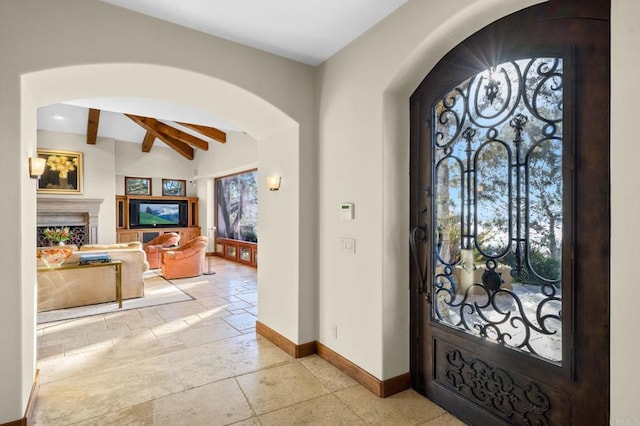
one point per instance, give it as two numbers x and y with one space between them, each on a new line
158 214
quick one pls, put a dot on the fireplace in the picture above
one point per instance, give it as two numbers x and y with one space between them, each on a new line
79 236
79 214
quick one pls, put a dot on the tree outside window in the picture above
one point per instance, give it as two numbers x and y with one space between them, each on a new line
237 207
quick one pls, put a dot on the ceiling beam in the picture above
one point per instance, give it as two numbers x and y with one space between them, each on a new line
180 147
149 124
178 134
212 132
92 126
147 143
181 136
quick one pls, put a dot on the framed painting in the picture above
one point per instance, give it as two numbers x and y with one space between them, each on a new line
174 187
62 172
137 186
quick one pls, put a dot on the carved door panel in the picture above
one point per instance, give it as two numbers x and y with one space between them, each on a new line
509 216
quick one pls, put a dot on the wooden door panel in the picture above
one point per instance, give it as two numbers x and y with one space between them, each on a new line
511 397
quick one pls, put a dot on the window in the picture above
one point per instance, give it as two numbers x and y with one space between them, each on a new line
237 207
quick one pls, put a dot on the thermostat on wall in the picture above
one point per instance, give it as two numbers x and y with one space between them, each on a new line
346 211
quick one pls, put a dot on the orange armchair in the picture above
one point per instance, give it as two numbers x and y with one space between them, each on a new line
154 248
186 260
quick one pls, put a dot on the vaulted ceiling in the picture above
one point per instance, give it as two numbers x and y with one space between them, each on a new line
180 141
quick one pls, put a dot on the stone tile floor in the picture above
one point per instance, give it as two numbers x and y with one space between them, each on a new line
200 363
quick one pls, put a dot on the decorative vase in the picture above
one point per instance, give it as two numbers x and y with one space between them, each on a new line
54 257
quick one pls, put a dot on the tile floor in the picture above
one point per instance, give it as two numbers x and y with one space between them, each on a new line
200 363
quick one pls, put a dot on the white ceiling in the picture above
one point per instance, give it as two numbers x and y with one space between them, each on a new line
308 31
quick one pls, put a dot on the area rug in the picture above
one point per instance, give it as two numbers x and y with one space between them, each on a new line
157 291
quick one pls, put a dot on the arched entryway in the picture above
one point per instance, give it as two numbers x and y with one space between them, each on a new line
278 139
509 215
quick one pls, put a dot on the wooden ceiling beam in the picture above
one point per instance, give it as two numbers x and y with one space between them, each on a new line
149 124
181 136
180 147
92 126
212 132
147 143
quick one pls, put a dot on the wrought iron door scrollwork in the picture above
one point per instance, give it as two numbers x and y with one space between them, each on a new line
487 314
497 203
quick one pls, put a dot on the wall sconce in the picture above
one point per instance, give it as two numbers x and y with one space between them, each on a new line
273 183
36 166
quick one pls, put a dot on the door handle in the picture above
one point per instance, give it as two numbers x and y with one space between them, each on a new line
419 234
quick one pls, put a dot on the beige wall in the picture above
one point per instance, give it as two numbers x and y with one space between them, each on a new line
363 104
239 153
160 163
625 205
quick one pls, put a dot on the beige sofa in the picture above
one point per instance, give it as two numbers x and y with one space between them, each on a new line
68 288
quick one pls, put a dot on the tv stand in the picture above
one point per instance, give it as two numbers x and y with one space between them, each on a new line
125 234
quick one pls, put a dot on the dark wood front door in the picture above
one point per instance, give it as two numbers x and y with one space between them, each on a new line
510 221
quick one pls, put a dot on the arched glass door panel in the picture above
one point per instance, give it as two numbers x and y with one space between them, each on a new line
498 197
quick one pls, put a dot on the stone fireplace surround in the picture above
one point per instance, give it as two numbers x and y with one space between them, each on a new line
71 212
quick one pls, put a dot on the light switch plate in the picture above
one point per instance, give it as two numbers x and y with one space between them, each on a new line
348 245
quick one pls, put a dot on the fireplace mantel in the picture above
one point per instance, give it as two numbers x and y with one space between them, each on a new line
70 212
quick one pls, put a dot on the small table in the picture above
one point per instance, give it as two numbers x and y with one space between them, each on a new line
116 263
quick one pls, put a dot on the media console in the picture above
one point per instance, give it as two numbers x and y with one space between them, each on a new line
142 218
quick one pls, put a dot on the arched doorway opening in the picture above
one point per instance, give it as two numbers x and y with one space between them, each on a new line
277 135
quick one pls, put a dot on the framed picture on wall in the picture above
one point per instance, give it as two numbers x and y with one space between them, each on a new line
62 172
174 187
137 186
